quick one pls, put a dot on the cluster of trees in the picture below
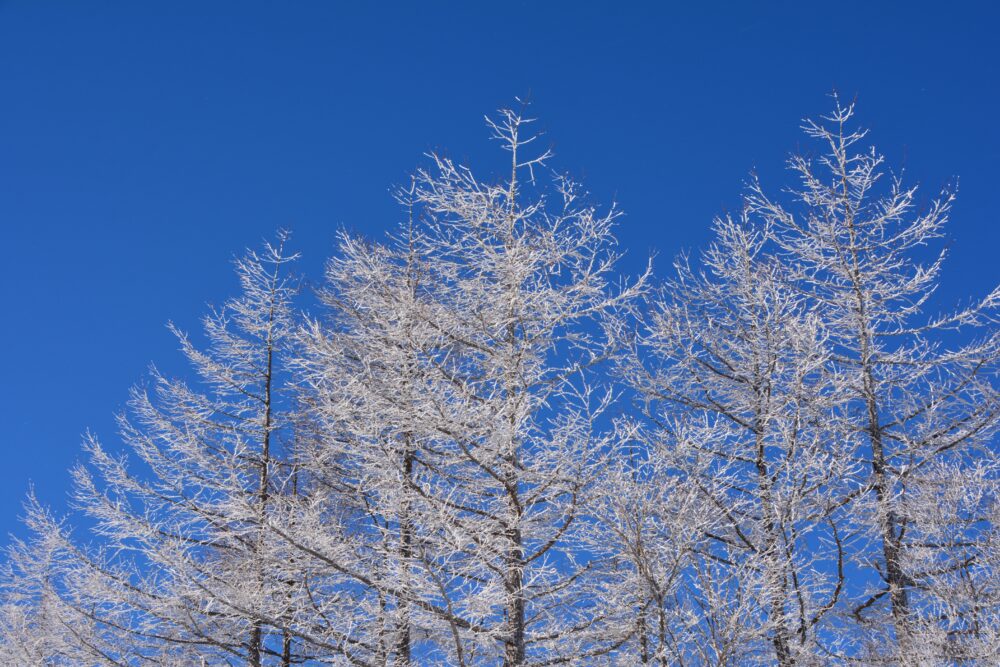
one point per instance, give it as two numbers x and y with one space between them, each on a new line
492 448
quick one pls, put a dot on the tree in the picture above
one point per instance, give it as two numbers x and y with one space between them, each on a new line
734 380
365 380
466 343
186 549
646 527
922 402
46 618
520 291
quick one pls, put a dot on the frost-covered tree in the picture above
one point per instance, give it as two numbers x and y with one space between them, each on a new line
647 529
46 617
185 555
734 379
521 290
922 399
462 358
360 519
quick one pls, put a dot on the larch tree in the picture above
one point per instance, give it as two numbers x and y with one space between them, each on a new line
734 379
185 547
457 370
646 528
922 399
521 290
47 616
360 515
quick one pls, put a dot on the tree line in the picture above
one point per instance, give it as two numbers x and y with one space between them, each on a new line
491 447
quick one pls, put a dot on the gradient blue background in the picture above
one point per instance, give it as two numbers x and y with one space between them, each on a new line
144 144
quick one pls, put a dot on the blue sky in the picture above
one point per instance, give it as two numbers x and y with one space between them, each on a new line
144 144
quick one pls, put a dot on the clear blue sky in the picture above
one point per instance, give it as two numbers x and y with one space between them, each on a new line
143 144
